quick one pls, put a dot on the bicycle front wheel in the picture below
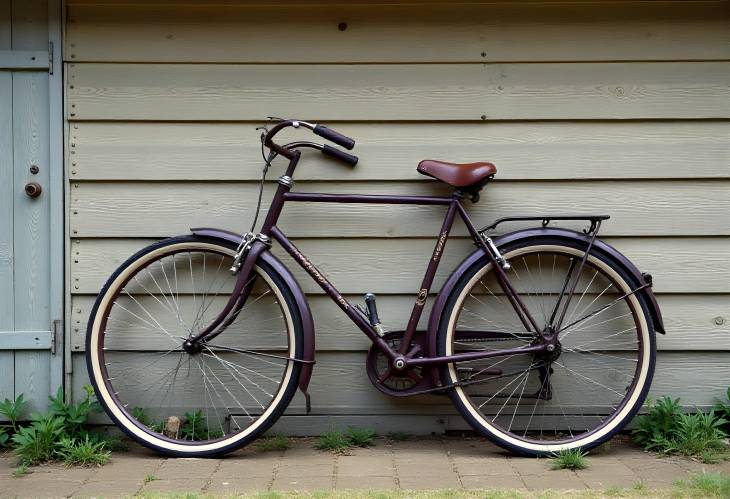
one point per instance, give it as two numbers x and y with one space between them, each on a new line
576 396
205 402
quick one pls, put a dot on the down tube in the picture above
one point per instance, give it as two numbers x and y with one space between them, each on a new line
331 291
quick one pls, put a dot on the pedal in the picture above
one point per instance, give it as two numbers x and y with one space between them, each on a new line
373 314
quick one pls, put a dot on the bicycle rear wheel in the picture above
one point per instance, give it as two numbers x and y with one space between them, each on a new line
210 401
580 394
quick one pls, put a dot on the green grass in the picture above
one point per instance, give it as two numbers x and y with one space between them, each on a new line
667 430
399 436
274 442
333 440
149 478
20 470
337 441
83 452
360 437
572 459
706 485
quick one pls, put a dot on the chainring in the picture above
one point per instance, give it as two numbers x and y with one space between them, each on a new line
387 380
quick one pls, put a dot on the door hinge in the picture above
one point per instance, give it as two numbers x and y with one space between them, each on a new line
50 57
56 334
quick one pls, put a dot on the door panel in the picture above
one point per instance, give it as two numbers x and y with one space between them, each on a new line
29 304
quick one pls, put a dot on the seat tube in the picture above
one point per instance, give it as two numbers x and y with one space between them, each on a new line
277 203
427 281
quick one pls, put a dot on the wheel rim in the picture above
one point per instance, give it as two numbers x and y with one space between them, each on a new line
166 396
605 353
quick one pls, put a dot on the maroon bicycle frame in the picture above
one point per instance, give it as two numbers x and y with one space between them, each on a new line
454 205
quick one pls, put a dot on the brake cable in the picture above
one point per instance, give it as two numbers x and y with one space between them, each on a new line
267 164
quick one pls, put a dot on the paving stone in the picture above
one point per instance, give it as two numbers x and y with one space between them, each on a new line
446 480
186 468
303 483
297 469
557 480
658 473
177 485
365 465
241 468
530 465
33 485
365 482
492 482
423 467
109 488
238 485
485 466
604 474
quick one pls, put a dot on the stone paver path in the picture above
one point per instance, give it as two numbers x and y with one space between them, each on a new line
457 463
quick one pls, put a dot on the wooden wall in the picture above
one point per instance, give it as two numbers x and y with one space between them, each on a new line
617 107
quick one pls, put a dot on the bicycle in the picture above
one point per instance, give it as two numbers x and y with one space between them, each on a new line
543 338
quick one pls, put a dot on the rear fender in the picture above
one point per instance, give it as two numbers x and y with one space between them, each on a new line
302 305
569 236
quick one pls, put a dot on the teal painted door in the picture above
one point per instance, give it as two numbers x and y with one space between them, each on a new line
30 290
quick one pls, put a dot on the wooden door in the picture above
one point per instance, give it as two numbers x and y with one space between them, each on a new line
31 234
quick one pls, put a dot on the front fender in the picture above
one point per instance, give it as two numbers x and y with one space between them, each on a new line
568 235
302 305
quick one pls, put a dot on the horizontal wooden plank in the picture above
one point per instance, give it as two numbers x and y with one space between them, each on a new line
340 385
399 92
693 322
521 151
501 32
666 208
356 266
25 340
23 59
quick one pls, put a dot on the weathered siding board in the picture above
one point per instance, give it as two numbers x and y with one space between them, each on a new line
696 208
679 265
400 33
340 385
690 321
521 151
400 92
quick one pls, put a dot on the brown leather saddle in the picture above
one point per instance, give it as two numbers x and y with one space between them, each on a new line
468 177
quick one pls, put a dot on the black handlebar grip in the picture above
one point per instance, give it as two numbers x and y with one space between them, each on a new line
336 137
333 152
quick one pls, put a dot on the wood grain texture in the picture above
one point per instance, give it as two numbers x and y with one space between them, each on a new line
667 208
400 92
340 386
679 265
7 254
31 215
7 377
32 378
521 151
437 33
690 321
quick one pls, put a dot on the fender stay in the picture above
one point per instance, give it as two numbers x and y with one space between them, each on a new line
304 312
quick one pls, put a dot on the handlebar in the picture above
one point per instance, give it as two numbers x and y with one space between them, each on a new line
321 130
333 136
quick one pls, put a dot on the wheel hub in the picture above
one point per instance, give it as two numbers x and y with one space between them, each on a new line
192 348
